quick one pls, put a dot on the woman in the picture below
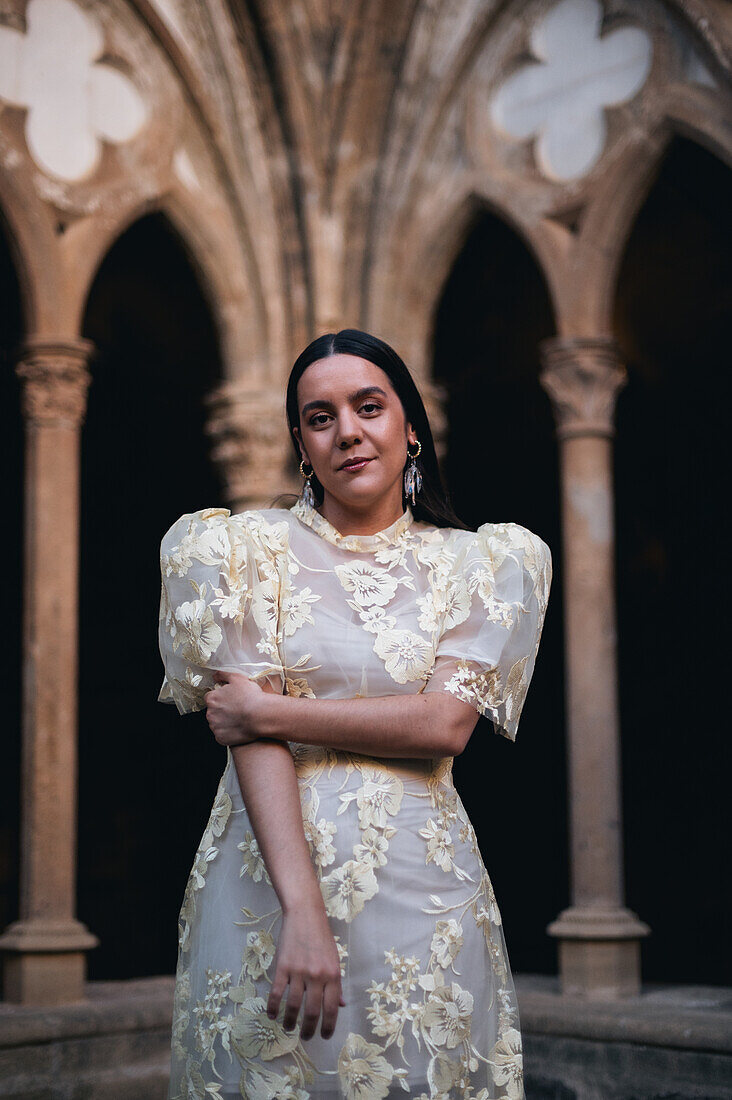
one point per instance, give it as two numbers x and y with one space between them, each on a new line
344 649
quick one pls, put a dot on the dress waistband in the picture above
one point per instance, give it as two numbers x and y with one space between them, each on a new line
310 757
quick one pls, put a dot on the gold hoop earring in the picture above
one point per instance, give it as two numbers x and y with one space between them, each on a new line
413 474
306 496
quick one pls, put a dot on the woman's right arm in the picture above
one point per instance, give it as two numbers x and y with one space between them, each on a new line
202 555
307 956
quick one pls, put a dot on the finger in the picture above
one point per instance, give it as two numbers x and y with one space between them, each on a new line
332 998
311 1013
294 1000
279 984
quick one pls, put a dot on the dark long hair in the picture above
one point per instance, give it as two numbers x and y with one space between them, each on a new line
432 504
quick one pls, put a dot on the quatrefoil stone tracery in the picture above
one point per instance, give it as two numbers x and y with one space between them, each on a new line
73 100
561 98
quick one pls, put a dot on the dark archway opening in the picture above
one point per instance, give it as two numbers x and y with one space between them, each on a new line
11 564
502 466
674 323
147 776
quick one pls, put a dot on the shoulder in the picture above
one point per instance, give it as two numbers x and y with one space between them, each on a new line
189 526
265 527
509 535
497 545
514 538
267 530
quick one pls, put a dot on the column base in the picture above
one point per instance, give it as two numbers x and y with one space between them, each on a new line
599 952
44 961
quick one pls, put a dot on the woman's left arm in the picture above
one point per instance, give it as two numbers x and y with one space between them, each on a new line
420 725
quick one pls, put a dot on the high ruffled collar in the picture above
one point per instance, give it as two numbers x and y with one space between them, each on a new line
388 537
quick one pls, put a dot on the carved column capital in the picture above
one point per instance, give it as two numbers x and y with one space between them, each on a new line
55 378
250 442
583 376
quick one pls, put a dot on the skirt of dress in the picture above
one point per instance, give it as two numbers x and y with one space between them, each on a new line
431 1008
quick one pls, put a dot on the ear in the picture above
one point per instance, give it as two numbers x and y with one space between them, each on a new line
303 453
411 435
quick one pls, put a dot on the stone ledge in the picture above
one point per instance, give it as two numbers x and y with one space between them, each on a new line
687 1017
112 1008
670 1041
682 1017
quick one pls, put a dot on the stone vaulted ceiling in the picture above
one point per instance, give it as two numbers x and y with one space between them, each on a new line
363 102
327 156
348 88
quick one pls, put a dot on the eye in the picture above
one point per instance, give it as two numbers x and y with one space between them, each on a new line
370 406
317 420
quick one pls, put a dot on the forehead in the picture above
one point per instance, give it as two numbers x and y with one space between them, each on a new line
336 376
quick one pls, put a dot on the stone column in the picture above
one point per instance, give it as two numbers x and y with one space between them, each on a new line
43 952
251 445
599 939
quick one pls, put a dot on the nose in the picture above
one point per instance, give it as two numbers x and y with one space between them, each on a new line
348 430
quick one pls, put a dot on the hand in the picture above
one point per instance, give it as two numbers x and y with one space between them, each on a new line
307 960
231 708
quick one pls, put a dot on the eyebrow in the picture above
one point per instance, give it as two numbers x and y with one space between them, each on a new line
363 392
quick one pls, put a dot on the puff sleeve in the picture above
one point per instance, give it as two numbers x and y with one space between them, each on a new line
496 598
219 600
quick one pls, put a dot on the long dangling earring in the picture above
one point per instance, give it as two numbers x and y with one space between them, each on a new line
306 496
413 474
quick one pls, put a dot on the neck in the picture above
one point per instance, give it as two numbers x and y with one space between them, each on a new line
366 519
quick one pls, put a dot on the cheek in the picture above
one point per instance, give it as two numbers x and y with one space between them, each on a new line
393 440
315 443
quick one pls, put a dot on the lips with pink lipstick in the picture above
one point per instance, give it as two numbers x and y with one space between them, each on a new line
358 462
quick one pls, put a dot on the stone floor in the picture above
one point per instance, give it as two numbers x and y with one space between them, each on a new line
671 1043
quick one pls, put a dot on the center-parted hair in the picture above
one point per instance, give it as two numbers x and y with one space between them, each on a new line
432 503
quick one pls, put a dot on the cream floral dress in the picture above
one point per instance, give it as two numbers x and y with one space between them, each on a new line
279 594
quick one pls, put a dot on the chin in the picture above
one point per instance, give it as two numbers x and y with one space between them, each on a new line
360 494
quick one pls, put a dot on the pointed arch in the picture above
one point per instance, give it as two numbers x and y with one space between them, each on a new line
619 197
672 321
501 466
238 312
146 459
409 294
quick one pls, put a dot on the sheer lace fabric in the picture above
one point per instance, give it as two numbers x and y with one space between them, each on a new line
430 1004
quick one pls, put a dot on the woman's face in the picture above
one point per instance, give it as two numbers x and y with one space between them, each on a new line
353 430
